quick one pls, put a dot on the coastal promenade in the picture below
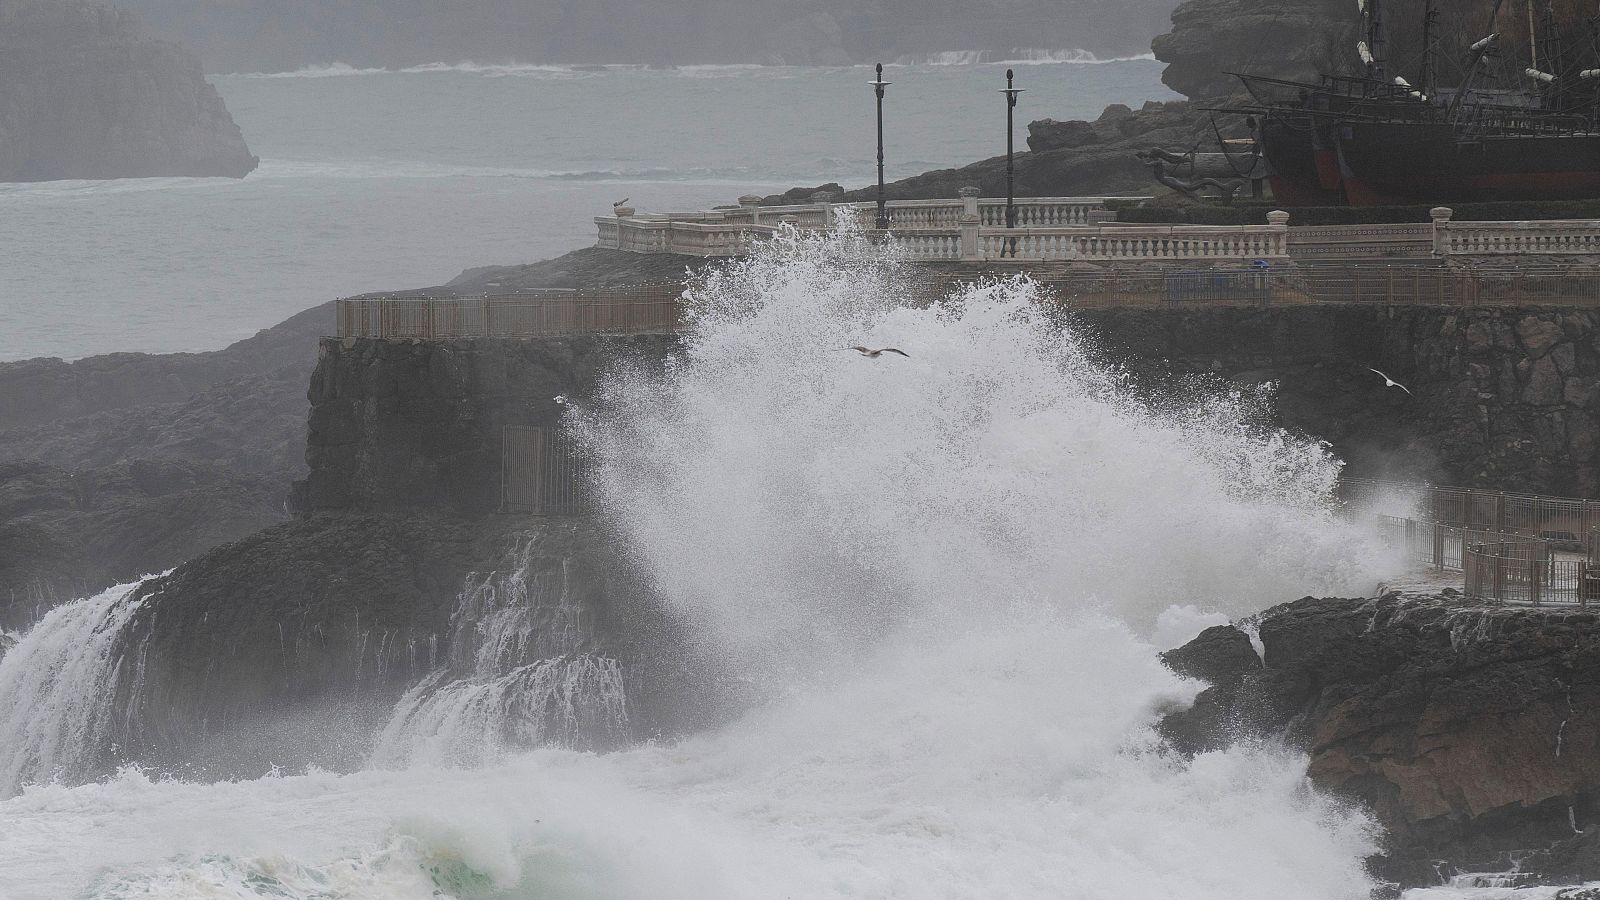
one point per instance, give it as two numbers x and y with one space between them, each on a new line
970 229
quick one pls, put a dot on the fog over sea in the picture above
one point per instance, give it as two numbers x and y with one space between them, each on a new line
374 179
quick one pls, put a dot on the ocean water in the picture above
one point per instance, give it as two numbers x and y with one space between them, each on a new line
376 180
943 578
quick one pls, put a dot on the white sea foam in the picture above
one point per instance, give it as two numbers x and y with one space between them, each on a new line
934 573
492 70
1016 57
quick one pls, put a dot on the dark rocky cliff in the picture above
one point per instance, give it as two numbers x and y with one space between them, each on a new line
83 94
417 425
1502 398
1471 733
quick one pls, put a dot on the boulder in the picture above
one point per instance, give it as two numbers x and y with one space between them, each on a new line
1472 733
1048 134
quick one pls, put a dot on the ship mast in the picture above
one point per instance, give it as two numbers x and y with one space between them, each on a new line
1429 76
1480 52
1553 61
1375 39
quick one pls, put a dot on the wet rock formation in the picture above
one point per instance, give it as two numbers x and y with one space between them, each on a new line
1471 733
83 94
291 647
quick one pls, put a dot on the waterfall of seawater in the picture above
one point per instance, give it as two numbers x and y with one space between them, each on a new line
935 572
515 678
57 688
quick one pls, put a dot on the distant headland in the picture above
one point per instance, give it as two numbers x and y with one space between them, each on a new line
84 93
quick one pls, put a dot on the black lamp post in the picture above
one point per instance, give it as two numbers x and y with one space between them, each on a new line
1011 173
883 206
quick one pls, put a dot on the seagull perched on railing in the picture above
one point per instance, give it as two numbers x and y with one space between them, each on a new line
874 354
1390 382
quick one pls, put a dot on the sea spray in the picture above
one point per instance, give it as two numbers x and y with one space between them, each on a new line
58 689
799 500
936 571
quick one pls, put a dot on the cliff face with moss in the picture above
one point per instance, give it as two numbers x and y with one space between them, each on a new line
85 94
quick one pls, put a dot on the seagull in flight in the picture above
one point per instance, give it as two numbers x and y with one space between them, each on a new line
874 354
1390 382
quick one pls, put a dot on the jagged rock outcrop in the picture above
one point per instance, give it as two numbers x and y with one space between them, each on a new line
1295 40
1472 733
84 94
1048 134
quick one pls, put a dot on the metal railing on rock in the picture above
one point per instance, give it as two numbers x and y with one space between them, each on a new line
538 473
1528 572
1521 548
637 309
1567 523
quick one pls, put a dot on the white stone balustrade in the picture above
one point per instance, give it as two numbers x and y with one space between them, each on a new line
972 229
1576 237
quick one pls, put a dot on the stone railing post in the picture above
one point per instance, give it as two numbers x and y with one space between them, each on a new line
752 203
970 223
824 201
1278 221
622 213
1441 229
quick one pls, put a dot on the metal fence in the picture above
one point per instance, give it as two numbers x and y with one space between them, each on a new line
1567 523
1522 548
638 309
1527 572
538 473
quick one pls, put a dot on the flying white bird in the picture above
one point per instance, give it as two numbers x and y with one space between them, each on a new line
1390 382
874 354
